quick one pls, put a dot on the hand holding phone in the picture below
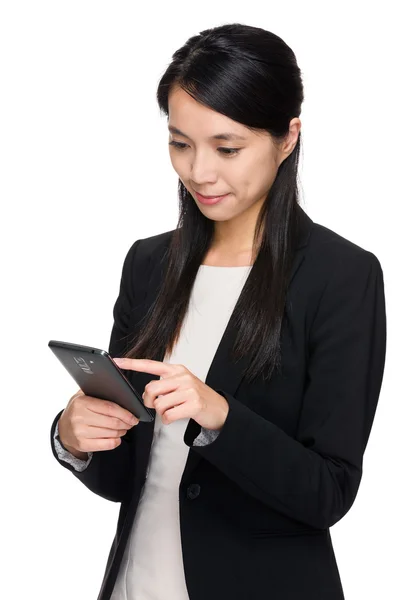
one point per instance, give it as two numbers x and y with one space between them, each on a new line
91 424
98 376
103 409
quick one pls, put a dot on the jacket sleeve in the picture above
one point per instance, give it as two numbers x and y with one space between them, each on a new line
314 477
108 473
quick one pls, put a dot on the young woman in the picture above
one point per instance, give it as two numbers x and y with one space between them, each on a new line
256 335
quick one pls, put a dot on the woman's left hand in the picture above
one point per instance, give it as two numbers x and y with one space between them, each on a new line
179 394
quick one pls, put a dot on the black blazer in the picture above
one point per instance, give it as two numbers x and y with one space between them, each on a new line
256 504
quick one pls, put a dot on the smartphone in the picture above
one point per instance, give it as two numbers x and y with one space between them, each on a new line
99 376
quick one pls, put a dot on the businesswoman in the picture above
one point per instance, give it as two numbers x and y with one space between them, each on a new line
256 336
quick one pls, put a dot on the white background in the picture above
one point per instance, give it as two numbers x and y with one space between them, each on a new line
85 171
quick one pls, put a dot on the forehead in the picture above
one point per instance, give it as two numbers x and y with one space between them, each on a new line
227 135
187 117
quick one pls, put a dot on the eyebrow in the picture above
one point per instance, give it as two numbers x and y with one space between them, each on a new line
219 136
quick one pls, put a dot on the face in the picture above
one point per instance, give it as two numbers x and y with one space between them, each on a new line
243 167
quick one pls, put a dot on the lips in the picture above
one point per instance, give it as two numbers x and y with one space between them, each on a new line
210 197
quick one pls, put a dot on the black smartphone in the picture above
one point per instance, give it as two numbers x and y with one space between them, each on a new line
99 376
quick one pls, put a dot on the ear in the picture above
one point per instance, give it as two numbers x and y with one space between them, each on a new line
286 147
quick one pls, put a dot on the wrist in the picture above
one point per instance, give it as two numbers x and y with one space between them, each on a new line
76 453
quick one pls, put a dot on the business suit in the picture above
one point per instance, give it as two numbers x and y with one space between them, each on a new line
256 504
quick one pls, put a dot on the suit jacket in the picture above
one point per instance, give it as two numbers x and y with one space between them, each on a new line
256 505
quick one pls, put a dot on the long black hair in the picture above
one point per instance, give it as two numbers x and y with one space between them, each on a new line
251 76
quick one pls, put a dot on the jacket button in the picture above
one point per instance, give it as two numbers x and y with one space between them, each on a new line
193 491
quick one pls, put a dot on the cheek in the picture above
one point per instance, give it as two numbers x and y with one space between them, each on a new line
260 177
176 163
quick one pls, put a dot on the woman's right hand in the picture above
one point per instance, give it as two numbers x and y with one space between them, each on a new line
90 424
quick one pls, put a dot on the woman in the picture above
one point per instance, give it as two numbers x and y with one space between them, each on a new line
256 335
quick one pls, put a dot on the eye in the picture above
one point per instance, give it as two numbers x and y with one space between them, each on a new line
225 151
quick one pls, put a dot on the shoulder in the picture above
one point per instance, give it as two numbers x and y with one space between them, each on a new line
340 289
334 272
156 242
139 261
328 253
142 251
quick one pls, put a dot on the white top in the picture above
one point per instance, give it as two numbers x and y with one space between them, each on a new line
152 566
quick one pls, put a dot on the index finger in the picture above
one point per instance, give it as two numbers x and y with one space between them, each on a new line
111 409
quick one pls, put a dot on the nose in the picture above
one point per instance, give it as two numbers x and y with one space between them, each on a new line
203 171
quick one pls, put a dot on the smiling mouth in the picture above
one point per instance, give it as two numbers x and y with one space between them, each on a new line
212 196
